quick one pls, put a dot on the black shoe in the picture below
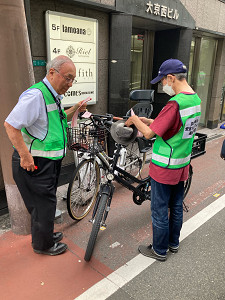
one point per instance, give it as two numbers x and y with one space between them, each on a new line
57 237
173 249
149 251
57 249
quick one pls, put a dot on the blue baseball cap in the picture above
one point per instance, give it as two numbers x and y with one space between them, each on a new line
170 66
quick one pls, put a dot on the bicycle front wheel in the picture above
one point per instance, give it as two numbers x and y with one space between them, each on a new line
96 226
135 160
83 189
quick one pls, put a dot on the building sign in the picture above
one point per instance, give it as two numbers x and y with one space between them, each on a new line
75 37
38 63
162 11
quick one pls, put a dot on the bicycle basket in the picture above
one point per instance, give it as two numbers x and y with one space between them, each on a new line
81 138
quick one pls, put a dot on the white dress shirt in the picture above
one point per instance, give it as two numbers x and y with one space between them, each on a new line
30 111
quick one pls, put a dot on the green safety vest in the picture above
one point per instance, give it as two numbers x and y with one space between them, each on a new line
53 146
175 152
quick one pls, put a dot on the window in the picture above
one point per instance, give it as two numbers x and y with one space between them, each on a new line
137 42
201 70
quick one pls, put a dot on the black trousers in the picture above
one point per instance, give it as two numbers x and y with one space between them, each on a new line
38 190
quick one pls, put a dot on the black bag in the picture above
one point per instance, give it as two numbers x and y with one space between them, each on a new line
222 154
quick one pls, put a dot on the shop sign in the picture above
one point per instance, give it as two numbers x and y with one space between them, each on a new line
75 37
162 11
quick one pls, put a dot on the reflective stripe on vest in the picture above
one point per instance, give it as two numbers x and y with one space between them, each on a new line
51 107
48 153
171 161
190 111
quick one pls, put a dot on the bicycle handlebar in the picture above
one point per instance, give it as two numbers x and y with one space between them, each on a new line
104 120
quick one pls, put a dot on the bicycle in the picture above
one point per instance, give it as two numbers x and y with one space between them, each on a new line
92 161
141 193
88 140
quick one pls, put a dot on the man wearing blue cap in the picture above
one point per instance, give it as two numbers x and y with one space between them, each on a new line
175 128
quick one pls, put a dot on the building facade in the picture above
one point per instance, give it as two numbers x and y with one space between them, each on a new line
133 38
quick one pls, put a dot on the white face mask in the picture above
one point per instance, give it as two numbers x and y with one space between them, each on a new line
168 90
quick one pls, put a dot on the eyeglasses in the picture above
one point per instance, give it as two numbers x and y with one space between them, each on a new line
68 80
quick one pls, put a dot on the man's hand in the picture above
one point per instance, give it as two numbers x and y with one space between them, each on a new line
27 162
70 111
15 136
81 108
140 124
132 120
147 121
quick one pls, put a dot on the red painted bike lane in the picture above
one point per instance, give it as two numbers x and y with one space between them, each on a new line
26 275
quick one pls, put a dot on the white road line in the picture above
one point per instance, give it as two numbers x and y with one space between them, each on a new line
109 285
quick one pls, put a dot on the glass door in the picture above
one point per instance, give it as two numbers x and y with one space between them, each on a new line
201 70
137 45
142 51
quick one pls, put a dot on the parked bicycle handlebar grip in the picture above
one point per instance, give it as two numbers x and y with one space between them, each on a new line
108 123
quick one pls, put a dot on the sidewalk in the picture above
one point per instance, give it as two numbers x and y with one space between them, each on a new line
25 275
199 266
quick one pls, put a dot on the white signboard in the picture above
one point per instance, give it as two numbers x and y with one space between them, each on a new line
75 37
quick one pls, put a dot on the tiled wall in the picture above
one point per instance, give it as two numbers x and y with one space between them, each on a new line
208 14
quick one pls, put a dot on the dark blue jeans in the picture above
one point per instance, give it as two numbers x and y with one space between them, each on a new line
166 224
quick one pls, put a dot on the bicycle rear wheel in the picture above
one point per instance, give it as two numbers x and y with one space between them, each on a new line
135 160
83 189
96 226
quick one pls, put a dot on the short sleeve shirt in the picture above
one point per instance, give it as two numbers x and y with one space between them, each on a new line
166 125
30 112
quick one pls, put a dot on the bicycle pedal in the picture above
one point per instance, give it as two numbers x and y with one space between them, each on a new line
103 227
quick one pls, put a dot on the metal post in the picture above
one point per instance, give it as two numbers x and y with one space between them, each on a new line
16 75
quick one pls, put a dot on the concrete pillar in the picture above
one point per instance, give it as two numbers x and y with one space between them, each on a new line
184 46
16 75
119 63
119 67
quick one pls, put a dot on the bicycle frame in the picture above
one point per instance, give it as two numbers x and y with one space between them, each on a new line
116 173
104 160
125 180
